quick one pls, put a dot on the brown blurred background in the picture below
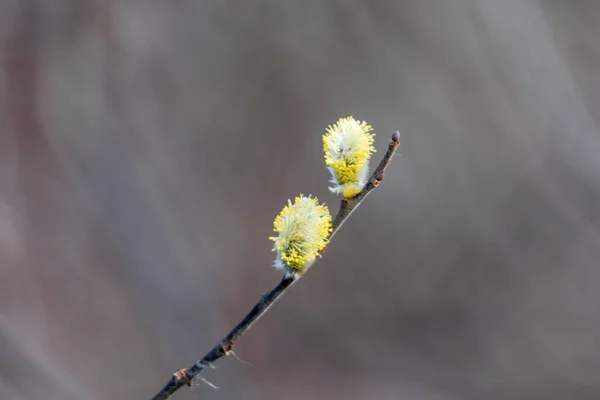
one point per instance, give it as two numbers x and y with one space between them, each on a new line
146 146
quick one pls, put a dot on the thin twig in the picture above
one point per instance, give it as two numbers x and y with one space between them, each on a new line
184 376
224 347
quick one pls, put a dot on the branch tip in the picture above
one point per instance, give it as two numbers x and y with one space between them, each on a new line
396 137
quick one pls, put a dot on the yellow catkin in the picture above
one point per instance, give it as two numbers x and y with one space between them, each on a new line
303 229
348 146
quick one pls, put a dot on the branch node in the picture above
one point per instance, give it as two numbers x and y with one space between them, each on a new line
181 376
376 180
227 347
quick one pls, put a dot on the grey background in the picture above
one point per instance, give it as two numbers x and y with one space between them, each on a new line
146 146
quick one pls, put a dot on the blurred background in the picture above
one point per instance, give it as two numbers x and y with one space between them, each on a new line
146 146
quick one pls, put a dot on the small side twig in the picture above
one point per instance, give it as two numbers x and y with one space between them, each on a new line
224 347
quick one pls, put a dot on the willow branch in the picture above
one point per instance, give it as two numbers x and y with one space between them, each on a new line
185 375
